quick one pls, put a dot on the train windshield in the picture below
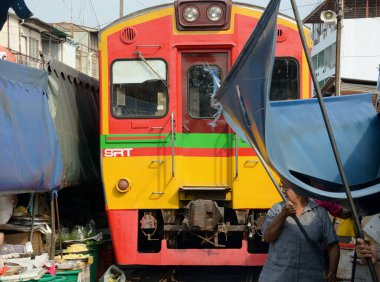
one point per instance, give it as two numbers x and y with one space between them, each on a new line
201 88
138 90
285 80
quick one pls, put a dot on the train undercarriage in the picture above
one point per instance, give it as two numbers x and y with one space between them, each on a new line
201 223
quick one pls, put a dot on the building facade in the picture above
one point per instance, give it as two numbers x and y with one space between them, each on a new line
86 43
360 41
34 43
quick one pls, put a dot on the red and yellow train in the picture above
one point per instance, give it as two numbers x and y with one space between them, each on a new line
178 191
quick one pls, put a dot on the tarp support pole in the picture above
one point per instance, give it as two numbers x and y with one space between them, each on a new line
33 205
330 134
52 223
58 222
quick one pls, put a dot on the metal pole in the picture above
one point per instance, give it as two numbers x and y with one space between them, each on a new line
331 136
339 26
121 8
52 224
58 223
34 200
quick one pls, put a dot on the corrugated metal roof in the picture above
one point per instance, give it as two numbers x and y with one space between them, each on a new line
314 16
353 9
349 86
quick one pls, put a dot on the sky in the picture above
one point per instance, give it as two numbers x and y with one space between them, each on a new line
100 13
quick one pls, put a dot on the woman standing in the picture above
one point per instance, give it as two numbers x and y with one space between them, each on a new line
290 256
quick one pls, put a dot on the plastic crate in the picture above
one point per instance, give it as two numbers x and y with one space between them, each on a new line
46 278
49 278
68 275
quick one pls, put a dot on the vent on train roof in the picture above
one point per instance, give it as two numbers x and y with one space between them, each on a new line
128 35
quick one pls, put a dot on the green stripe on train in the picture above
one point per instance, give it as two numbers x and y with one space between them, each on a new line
183 140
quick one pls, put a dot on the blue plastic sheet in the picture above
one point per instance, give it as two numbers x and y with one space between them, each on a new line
250 77
29 147
300 150
291 135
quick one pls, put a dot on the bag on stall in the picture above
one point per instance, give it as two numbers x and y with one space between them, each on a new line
113 274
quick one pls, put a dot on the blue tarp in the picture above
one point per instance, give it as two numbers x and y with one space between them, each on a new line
299 148
251 76
29 148
291 135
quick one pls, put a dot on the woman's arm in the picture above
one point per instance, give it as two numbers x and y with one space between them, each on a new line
274 229
334 254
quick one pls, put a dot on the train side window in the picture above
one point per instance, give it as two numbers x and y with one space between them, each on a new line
138 92
201 87
285 79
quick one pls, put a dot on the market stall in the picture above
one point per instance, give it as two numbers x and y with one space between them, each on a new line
49 142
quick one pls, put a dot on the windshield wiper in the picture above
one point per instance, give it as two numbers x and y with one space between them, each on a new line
138 53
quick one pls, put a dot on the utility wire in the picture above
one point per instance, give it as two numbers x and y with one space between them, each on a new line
92 6
302 6
81 11
66 6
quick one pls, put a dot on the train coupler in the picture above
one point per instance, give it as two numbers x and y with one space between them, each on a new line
148 225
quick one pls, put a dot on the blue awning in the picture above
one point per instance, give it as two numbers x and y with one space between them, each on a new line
300 151
30 151
291 135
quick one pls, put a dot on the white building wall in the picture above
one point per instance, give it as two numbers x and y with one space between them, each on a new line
323 53
326 40
82 39
4 35
360 50
360 55
68 54
14 34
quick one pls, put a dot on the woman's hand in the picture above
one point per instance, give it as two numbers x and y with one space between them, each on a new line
288 208
331 277
275 227
366 249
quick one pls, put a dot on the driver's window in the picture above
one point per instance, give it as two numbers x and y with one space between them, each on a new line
285 80
137 91
201 88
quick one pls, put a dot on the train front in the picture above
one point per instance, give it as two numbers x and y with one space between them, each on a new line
178 190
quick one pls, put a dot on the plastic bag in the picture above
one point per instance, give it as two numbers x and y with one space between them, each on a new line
78 233
90 229
113 274
65 234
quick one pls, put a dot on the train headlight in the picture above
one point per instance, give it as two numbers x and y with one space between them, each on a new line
123 185
191 14
203 14
215 13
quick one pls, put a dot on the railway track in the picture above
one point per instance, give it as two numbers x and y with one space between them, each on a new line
194 274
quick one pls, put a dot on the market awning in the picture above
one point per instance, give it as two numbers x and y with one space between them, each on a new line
30 151
300 151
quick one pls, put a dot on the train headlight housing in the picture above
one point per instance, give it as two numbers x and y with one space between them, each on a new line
123 185
191 14
215 13
203 14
